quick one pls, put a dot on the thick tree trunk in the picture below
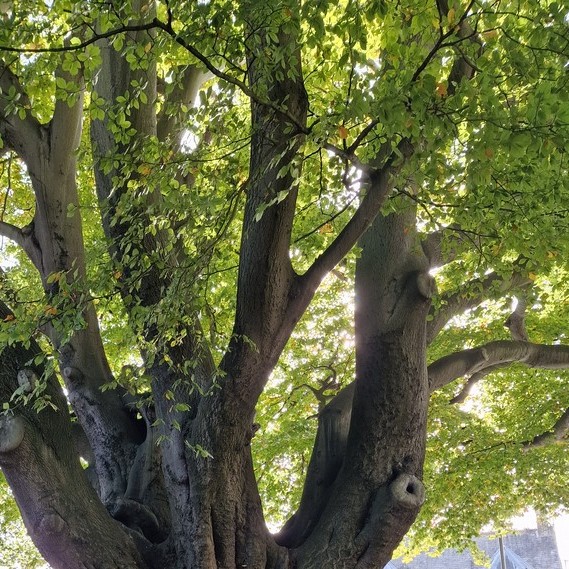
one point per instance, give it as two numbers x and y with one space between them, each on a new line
363 491
63 514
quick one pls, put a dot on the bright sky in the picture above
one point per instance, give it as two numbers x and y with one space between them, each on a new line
6 261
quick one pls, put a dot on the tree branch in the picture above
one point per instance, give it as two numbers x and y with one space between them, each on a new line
325 463
458 302
462 67
557 434
127 233
60 509
12 232
334 420
54 243
166 27
22 134
265 273
24 238
380 183
516 321
184 93
66 123
83 44
434 243
380 179
502 352
473 380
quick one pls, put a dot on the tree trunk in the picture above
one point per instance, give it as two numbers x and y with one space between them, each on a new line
363 492
61 510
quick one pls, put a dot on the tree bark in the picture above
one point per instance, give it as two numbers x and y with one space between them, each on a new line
63 514
476 360
54 244
363 492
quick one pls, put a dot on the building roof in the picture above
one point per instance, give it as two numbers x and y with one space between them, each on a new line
527 549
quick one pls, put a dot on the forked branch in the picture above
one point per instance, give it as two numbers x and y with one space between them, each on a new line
469 362
470 295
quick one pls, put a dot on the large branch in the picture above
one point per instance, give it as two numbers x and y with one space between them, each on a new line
265 271
62 513
49 154
557 434
325 463
476 360
21 134
442 246
54 243
66 123
23 236
470 295
144 283
131 245
379 185
363 496
57 225
390 326
516 321
185 92
516 324
12 232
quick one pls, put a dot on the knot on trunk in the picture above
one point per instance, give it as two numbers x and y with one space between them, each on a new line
27 379
426 285
138 517
72 374
51 524
12 431
407 491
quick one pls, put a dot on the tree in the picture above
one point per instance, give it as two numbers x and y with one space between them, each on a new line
244 156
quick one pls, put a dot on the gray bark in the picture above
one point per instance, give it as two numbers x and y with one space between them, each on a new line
362 495
54 243
61 510
476 360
